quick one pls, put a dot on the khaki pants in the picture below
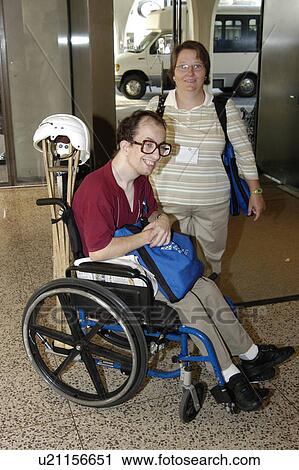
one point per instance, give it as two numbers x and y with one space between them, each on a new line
208 224
205 308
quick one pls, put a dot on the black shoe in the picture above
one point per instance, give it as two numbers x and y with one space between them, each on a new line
267 357
256 377
246 397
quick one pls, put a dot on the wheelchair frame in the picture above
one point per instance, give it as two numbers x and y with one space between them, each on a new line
103 334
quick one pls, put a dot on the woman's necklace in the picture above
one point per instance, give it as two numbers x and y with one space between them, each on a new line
188 104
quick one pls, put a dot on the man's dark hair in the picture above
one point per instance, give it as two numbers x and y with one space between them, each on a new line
127 128
201 53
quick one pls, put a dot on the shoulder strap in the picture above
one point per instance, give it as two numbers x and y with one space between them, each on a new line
161 105
220 103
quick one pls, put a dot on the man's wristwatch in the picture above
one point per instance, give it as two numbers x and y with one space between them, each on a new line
257 191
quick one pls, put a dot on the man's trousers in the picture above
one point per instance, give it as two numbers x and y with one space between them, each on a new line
205 308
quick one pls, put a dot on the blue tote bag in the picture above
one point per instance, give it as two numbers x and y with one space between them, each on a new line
175 266
239 190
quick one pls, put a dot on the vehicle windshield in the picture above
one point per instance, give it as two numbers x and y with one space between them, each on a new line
144 43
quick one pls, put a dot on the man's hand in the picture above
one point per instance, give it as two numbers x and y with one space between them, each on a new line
156 233
160 231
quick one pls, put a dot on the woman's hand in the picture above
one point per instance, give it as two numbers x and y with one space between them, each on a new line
256 206
160 229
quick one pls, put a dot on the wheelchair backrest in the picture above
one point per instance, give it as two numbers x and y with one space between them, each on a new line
67 216
73 232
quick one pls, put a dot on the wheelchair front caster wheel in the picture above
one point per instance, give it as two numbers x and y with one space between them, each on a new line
191 405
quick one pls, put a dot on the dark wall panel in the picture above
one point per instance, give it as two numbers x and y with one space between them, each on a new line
278 117
91 25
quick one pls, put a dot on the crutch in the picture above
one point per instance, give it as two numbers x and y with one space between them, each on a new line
48 165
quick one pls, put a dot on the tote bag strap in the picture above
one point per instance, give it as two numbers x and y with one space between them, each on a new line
220 103
161 105
151 265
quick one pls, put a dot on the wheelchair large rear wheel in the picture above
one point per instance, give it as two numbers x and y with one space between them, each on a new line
61 326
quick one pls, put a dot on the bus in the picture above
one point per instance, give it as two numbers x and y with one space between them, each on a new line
235 57
236 49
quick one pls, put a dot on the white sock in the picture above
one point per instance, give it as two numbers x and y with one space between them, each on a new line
229 372
250 354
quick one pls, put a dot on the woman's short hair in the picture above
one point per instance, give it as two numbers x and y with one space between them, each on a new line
201 53
128 127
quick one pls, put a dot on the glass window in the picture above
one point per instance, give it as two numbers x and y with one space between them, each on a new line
228 29
232 41
39 74
252 26
130 42
251 43
163 45
144 43
236 34
218 30
218 41
233 30
168 44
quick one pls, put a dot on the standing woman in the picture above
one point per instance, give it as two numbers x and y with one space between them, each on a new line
191 184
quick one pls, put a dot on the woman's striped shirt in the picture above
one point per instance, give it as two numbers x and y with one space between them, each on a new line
194 174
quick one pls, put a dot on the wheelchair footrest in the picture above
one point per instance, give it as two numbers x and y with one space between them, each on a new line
221 395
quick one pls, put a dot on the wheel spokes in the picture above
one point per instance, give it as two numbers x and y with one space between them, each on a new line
93 331
52 334
123 361
70 357
71 316
93 373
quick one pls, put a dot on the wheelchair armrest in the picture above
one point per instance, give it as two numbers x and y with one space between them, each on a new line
110 269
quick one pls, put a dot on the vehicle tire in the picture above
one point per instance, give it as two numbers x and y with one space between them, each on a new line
245 85
187 409
71 357
133 87
2 158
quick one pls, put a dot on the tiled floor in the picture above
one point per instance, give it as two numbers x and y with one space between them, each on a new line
33 417
261 260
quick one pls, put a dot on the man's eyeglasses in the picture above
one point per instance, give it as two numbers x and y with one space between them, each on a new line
187 67
149 146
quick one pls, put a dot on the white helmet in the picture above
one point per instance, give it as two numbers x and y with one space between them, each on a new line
66 125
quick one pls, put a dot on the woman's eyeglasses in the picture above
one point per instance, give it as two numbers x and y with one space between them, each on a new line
187 67
149 146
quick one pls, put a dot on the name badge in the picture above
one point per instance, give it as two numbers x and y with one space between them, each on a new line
187 155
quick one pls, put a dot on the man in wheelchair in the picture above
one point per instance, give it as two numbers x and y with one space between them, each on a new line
115 195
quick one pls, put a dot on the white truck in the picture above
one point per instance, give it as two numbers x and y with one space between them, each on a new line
235 59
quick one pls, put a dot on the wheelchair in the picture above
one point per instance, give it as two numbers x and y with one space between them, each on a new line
93 341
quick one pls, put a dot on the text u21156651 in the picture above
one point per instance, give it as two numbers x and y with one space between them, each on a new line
70 459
